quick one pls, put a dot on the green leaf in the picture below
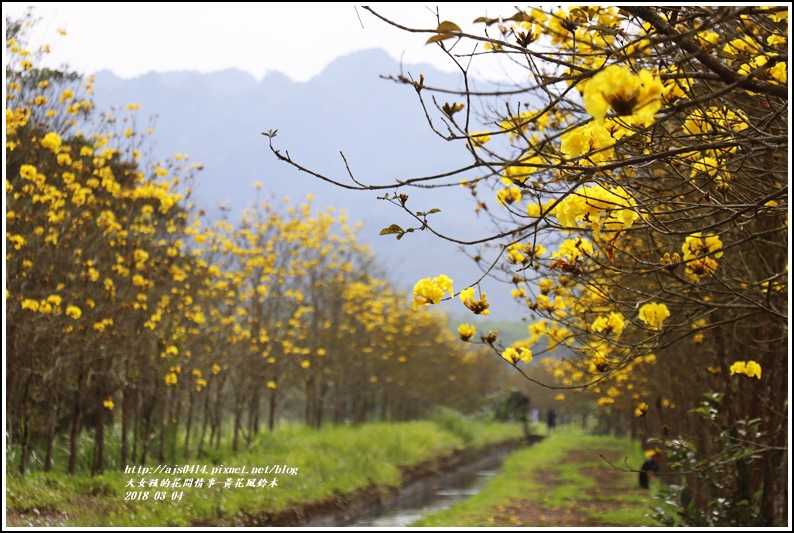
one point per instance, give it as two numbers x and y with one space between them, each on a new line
521 17
485 20
391 230
447 26
437 38
444 30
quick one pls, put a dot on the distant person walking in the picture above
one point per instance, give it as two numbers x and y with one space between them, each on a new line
650 467
551 419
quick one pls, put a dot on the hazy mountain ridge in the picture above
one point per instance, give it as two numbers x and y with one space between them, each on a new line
379 125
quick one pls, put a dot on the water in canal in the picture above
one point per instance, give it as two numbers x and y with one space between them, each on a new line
436 496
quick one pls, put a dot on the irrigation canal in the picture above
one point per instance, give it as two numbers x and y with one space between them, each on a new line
435 496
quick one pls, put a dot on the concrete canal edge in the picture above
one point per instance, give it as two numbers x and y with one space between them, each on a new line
342 509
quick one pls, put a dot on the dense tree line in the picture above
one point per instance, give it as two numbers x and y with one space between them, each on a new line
128 309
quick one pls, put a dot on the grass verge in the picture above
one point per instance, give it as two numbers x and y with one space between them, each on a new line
334 460
569 479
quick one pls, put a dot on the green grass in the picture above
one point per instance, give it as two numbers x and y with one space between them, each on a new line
519 483
331 461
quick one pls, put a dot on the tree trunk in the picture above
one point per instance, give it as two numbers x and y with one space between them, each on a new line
188 426
24 442
147 427
125 402
271 414
51 425
75 428
238 414
204 423
216 427
98 464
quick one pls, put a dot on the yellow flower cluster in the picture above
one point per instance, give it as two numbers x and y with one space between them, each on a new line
544 303
590 202
626 93
478 307
714 118
592 140
479 138
700 254
466 331
159 192
28 172
516 252
511 195
513 356
614 323
654 314
748 368
779 72
51 141
521 171
431 291
573 249
17 240
103 324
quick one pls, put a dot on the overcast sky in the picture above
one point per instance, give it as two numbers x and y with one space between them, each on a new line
296 39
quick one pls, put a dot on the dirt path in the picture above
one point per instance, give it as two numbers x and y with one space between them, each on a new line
610 484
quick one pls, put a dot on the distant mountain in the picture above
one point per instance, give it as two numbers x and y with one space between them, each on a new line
379 125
